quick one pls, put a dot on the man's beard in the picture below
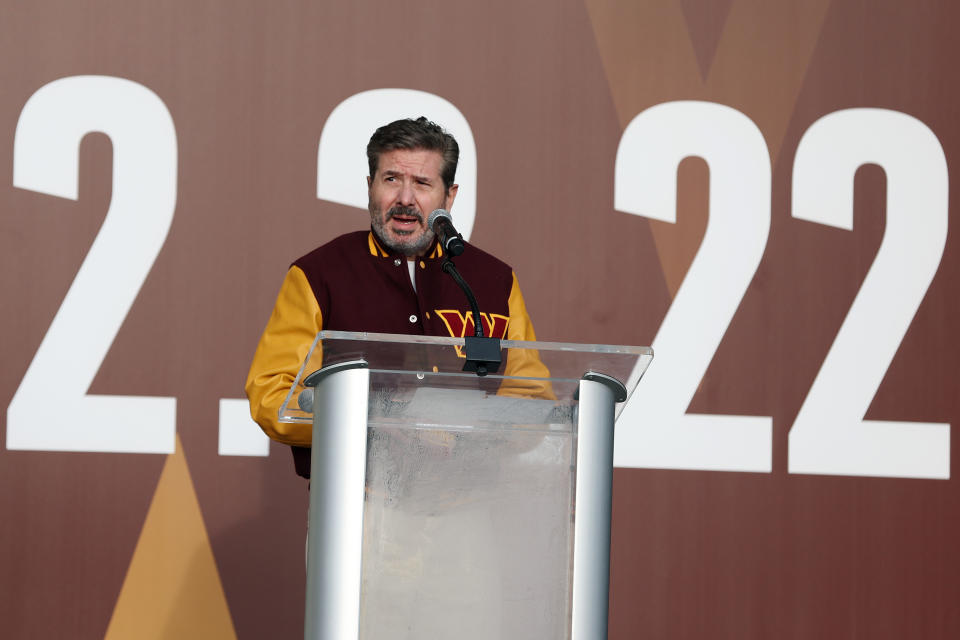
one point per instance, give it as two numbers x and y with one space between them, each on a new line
409 245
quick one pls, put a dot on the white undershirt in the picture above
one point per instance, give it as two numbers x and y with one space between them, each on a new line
412 267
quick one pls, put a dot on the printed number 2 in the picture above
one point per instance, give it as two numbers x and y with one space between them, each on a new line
830 435
51 410
654 429
341 167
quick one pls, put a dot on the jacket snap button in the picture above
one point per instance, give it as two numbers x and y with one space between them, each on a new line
413 318
396 262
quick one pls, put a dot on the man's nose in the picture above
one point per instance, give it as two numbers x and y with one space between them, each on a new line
406 196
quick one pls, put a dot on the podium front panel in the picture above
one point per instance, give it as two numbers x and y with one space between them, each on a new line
458 519
467 529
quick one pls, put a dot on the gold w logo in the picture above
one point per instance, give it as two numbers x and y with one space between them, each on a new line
460 325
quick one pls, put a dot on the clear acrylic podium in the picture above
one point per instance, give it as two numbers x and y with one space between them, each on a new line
448 505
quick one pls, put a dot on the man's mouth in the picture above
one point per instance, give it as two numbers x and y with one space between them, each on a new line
405 219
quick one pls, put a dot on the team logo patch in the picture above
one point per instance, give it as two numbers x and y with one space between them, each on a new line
461 325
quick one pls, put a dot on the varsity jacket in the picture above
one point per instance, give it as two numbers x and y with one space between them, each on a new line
353 283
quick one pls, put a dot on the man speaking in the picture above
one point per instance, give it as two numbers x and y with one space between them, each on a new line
386 280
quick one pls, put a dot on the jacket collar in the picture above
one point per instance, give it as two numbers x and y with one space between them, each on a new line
379 251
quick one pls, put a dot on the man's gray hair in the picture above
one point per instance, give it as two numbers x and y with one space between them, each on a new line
415 134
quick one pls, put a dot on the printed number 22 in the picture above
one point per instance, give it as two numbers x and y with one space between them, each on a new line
829 435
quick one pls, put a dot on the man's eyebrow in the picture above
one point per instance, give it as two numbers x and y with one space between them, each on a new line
394 172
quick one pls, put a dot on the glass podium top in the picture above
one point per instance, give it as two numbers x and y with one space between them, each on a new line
530 370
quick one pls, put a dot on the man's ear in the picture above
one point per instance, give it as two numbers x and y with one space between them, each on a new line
451 196
369 182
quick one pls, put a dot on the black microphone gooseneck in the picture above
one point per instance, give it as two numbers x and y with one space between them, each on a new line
483 354
449 267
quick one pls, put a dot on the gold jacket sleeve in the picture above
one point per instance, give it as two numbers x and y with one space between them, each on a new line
523 362
295 321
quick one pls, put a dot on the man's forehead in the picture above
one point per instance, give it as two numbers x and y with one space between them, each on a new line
423 162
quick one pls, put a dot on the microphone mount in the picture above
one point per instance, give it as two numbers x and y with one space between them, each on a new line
483 353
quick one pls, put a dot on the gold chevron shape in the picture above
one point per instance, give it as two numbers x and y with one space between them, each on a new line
758 68
172 588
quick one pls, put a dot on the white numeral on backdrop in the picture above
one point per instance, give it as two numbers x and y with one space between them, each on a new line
830 435
51 410
239 434
655 430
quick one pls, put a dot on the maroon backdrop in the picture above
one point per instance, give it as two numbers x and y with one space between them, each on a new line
198 544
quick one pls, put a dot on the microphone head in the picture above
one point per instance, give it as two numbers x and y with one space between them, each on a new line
436 214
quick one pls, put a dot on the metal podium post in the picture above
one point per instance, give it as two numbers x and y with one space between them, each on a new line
591 532
338 470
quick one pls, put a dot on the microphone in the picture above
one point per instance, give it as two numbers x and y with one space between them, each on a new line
442 225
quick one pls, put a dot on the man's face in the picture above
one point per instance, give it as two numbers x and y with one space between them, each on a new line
406 189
